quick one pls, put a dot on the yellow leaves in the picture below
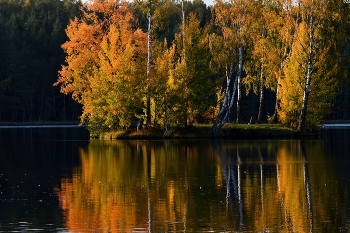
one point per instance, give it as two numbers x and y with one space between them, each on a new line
104 63
324 84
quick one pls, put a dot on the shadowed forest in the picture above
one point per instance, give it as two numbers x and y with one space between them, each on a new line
174 62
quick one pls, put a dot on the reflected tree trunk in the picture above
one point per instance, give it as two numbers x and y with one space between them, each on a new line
261 183
150 225
228 179
240 202
307 183
234 181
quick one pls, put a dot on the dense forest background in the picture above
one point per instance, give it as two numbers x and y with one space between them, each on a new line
31 35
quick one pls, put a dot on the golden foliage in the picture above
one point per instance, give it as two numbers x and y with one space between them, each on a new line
105 61
122 185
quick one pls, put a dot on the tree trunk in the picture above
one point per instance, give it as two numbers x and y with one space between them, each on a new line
148 107
166 114
262 83
275 117
239 97
221 118
186 109
183 29
227 93
346 103
302 116
262 95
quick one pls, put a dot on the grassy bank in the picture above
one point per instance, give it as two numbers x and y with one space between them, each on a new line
234 131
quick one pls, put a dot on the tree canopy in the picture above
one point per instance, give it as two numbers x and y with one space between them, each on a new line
290 58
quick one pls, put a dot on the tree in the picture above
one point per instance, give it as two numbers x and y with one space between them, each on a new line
232 18
256 64
193 76
163 89
285 24
313 71
149 7
105 65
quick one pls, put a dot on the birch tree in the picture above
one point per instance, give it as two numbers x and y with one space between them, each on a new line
310 8
313 70
231 18
284 23
256 66
149 7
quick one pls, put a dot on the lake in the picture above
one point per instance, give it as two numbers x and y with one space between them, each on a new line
57 180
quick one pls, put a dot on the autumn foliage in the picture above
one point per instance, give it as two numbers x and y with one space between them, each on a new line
292 49
105 70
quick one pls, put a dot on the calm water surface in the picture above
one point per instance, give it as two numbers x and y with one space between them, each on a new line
56 180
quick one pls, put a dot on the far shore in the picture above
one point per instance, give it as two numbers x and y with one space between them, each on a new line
26 123
67 124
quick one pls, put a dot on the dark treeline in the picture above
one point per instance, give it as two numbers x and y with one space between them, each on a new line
31 35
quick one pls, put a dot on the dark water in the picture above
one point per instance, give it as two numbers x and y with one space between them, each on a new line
56 180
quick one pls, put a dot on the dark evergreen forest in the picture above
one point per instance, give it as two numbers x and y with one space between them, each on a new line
31 35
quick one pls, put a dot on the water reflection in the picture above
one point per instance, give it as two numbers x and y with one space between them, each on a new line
205 186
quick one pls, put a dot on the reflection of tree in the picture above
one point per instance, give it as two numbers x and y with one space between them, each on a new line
281 190
307 184
192 186
293 190
137 184
92 197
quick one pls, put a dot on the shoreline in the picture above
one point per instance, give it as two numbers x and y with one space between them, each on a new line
230 130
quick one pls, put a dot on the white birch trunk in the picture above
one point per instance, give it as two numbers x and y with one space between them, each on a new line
275 117
227 92
262 94
307 88
221 118
239 97
183 29
148 107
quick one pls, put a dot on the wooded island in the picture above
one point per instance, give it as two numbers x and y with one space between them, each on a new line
175 63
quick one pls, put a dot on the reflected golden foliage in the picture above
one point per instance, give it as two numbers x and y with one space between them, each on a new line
124 185
177 186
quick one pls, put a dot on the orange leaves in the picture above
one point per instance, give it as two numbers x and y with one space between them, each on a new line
104 59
